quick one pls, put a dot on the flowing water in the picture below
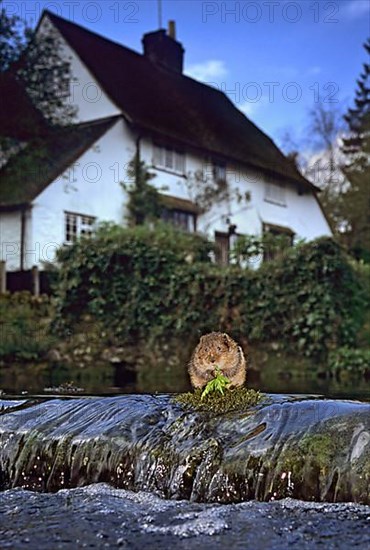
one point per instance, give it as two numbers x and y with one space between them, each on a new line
286 446
137 471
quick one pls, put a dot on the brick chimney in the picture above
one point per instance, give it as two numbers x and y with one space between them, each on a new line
163 49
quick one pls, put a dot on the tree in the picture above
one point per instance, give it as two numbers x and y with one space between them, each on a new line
34 85
12 39
36 62
355 201
144 201
321 158
324 168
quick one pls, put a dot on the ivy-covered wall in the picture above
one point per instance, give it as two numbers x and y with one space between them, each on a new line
143 284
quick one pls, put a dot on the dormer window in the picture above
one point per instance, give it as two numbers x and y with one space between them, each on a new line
219 171
275 193
168 158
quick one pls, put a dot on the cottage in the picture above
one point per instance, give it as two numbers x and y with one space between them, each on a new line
185 131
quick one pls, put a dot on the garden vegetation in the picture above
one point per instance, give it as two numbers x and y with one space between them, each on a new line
144 284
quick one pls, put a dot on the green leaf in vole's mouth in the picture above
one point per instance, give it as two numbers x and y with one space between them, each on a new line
218 384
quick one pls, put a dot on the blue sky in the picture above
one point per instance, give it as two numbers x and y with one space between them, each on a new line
274 58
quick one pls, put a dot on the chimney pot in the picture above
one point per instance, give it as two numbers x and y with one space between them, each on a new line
172 29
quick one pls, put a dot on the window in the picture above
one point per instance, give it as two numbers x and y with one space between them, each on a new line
275 193
180 212
77 225
169 158
180 218
219 171
276 240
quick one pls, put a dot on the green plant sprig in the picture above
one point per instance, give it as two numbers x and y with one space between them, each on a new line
218 383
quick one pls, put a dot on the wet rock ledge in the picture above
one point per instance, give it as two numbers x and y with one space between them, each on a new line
306 448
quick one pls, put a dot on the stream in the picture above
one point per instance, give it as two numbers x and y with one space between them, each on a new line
137 471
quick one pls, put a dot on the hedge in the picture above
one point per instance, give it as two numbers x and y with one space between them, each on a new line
144 283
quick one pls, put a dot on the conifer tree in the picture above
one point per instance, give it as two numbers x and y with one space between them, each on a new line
355 201
144 204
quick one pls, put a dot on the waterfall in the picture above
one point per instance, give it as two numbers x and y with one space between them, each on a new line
306 448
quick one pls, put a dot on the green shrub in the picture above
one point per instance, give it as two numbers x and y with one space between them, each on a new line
143 284
24 326
351 361
135 280
309 299
362 271
248 248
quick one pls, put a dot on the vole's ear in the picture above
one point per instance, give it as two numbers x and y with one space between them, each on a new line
226 338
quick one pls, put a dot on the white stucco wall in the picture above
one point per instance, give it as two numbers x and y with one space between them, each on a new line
90 187
10 240
301 212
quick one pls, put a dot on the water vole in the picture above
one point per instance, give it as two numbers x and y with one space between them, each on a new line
217 349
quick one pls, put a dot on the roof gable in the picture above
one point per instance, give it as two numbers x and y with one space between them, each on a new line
174 105
19 119
45 158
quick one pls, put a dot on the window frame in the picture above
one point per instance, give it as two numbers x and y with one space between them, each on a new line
175 215
169 158
272 197
82 224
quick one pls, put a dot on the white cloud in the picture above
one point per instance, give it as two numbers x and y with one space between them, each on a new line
249 108
205 72
356 8
311 71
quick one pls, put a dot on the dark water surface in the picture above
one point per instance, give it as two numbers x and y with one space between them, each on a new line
99 516
279 375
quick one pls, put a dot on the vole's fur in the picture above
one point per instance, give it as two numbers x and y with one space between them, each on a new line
217 349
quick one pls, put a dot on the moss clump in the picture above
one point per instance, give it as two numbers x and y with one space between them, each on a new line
237 399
